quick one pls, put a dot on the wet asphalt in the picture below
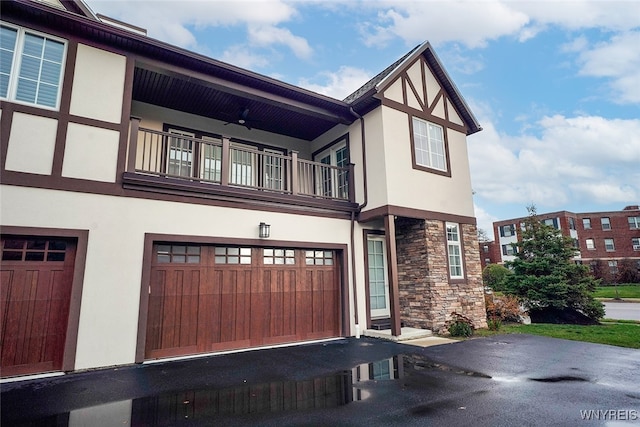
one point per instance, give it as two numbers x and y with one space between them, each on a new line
507 380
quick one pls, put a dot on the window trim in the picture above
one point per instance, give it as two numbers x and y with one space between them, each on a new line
607 222
445 141
17 62
460 254
634 222
613 245
585 222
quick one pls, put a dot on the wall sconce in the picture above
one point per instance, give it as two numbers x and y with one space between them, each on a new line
264 230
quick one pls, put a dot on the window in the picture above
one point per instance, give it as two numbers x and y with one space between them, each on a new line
279 256
243 165
232 255
608 245
507 230
273 169
334 182
180 158
179 254
428 141
634 222
454 250
606 223
551 222
635 243
586 223
319 257
508 250
572 223
31 67
591 245
613 267
42 249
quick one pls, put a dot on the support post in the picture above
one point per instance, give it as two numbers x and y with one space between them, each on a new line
133 144
392 266
226 154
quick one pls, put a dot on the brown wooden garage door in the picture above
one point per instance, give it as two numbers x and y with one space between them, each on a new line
36 276
209 298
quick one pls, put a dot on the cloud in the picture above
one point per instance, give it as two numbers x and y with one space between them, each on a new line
583 159
267 35
337 84
242 56
485 220
619 60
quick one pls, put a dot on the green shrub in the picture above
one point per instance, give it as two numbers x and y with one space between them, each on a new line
460 326
494 324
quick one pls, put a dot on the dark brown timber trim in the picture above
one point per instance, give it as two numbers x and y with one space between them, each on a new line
392 267
380 212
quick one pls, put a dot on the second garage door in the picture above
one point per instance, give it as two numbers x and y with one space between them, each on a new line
209 298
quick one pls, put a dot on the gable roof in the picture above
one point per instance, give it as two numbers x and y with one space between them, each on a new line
364 98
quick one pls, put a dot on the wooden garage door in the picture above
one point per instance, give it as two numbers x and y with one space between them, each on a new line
36 276
209 298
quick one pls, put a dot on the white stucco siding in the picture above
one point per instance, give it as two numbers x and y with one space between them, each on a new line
418 189
92 95
91 153
117 225
31 144
377 169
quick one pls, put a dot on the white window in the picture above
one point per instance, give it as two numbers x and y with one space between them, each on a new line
613 267
608 245
591 245
507 230
606 223
332 182
454 250
180 160
635 242
508 250
243 165
31 66
428 140
572 223
634 222
586 223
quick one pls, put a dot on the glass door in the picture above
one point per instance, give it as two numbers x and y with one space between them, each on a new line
378 280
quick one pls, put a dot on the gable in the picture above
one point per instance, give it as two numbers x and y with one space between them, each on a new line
416 91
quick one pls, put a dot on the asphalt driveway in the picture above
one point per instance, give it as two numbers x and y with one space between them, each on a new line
504 380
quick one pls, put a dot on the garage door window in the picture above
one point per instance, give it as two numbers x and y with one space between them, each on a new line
232 255
319 257
179 254
33 250
279 256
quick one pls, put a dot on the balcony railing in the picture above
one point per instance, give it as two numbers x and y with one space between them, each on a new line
220 161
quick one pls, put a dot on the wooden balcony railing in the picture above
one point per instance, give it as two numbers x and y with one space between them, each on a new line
222 162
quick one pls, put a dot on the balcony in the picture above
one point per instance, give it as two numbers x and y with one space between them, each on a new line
220 167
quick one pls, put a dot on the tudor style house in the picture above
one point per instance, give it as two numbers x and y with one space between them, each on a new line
158 203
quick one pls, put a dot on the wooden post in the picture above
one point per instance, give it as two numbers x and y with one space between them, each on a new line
226 154
392 267
351 183
294 172
133 144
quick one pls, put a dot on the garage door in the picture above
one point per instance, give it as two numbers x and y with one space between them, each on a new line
209 298
36 276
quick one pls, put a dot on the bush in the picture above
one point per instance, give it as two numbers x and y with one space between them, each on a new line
494 324
460 326
494 276
505 308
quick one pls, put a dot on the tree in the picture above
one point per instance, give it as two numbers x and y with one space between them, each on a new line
546 279
628 271
494 276
483 236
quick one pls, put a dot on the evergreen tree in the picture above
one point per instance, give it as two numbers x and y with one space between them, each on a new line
545 275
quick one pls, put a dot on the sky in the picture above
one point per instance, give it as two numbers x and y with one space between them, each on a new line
555 85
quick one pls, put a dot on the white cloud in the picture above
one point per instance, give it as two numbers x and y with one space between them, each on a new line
242 56
582 159
619 60
267 35
337 84
485 220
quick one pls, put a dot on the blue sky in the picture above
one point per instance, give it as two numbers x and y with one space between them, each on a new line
554 84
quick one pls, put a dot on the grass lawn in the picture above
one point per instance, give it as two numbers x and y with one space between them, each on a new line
625 334
624 291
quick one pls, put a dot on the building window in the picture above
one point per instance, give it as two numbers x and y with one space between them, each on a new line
613 267
38 249
428 140
572 223
31 67
279 256
591 245
635 243
606 223
551 222
232 255
507 230
333 180
634 222
318 257
608 245
454 250
179 254
508 250
586 223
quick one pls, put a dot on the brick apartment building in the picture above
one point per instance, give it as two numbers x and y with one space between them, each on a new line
601 237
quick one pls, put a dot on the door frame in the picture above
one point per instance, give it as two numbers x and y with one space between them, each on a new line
82 238
341 251
380 237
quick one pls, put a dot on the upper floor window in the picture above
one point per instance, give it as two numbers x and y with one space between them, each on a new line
609 245
551 222
635 242
634 222
572 224
31 67
590 244
509 250
333 180
606 223
586 223
507 230
454 250
428 141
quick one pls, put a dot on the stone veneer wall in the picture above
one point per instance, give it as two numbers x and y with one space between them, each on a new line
427 298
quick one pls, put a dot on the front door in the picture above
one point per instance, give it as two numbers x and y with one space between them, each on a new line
378 280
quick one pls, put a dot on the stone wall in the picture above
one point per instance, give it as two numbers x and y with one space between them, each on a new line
427 296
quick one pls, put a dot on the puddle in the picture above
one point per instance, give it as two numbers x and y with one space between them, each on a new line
558 379
217 405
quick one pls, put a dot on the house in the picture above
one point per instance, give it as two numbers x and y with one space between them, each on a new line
604 238
158 203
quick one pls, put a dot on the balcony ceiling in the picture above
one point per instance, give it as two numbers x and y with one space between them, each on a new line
217 100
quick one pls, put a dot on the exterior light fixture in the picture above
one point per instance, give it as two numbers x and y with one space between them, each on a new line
264 230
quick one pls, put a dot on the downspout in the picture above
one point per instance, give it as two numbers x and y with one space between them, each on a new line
353 219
